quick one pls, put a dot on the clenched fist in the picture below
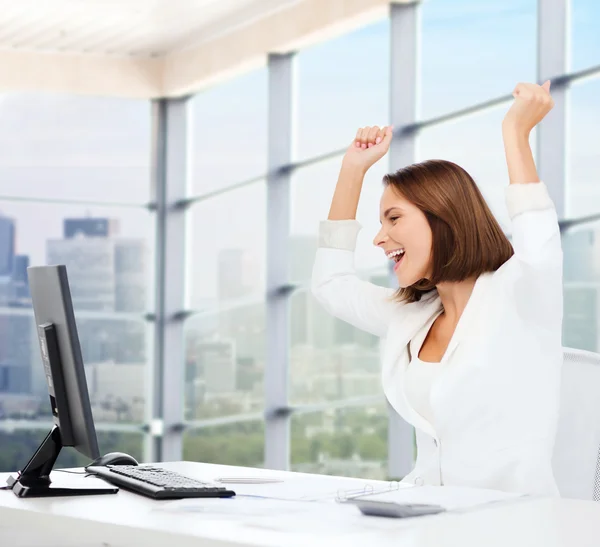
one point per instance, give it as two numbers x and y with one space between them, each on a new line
532 103
368 147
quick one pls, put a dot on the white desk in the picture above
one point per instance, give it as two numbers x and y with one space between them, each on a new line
128 520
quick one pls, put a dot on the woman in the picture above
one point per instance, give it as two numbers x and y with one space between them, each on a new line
472 339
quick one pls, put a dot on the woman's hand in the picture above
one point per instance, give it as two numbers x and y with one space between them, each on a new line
368 147
532 103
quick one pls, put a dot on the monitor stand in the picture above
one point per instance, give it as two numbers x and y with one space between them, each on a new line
34 480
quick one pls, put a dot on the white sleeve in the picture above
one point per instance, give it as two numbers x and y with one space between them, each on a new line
336 286
538 253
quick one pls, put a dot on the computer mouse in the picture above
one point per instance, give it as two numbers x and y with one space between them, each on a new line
114 458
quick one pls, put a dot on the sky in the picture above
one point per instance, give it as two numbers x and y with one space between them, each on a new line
97 149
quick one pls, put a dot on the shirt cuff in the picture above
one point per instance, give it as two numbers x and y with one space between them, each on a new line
529 196
339 234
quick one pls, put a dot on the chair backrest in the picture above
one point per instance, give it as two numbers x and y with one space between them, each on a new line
576 458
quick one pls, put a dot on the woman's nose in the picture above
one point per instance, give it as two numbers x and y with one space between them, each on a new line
380 239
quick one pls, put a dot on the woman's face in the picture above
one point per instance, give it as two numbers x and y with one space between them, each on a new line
405 237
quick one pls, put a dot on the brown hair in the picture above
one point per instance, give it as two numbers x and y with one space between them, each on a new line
467 239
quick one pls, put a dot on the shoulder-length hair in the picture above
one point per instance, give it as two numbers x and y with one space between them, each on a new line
467 239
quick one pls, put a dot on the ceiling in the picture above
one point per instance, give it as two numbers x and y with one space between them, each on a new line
124 27
158 48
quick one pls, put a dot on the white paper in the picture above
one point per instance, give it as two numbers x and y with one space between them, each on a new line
308 489
452 498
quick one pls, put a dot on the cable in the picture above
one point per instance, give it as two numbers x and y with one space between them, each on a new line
72 472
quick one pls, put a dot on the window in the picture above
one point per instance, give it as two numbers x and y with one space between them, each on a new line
350 442
583 171
69 147
491 47
19 445
108 255
581 281
585 40
474 143
311 193
229 133
225 362
226 255
343 84
225 339
329 358
233 444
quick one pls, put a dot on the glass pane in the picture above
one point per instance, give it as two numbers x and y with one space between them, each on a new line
581 324
330 359
349 442
18 446
108 255
225 362
233 444
115 351
108 252
229 128
491 45
73 147
474 143
227 251
583 190
311 193
585 39
343 84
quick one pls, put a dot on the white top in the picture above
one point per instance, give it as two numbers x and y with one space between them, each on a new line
419 379
421 376
496 399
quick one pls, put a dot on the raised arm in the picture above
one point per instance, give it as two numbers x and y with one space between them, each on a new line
334 281
534 222
535 232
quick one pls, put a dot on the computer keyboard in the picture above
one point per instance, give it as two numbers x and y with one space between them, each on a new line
155 482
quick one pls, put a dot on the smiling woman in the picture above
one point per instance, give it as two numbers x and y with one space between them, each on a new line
475 323
436 214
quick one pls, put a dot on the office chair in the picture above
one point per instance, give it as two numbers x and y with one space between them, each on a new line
576 458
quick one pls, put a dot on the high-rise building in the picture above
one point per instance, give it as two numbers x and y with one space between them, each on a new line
106 273
20 281
130 275
90 227
7 246
16 352
90 265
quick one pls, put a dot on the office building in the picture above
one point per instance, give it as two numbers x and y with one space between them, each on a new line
7 246
90 227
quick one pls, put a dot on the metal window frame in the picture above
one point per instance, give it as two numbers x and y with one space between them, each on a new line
165 380
552 51
404 90
280 139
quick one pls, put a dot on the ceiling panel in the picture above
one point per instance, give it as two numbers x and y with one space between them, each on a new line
124 27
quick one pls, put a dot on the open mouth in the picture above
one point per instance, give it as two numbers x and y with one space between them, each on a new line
396 256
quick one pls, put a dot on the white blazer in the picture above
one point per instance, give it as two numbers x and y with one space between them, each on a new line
496 401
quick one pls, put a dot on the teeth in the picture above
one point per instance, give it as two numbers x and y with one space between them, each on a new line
397 252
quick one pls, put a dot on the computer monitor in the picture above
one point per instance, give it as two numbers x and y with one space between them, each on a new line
73 424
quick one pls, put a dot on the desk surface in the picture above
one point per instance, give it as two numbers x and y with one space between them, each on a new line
126 519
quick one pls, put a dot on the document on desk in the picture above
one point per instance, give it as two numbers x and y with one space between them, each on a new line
310 489
452 498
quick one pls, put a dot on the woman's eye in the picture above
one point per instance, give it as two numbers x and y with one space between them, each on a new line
393 219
